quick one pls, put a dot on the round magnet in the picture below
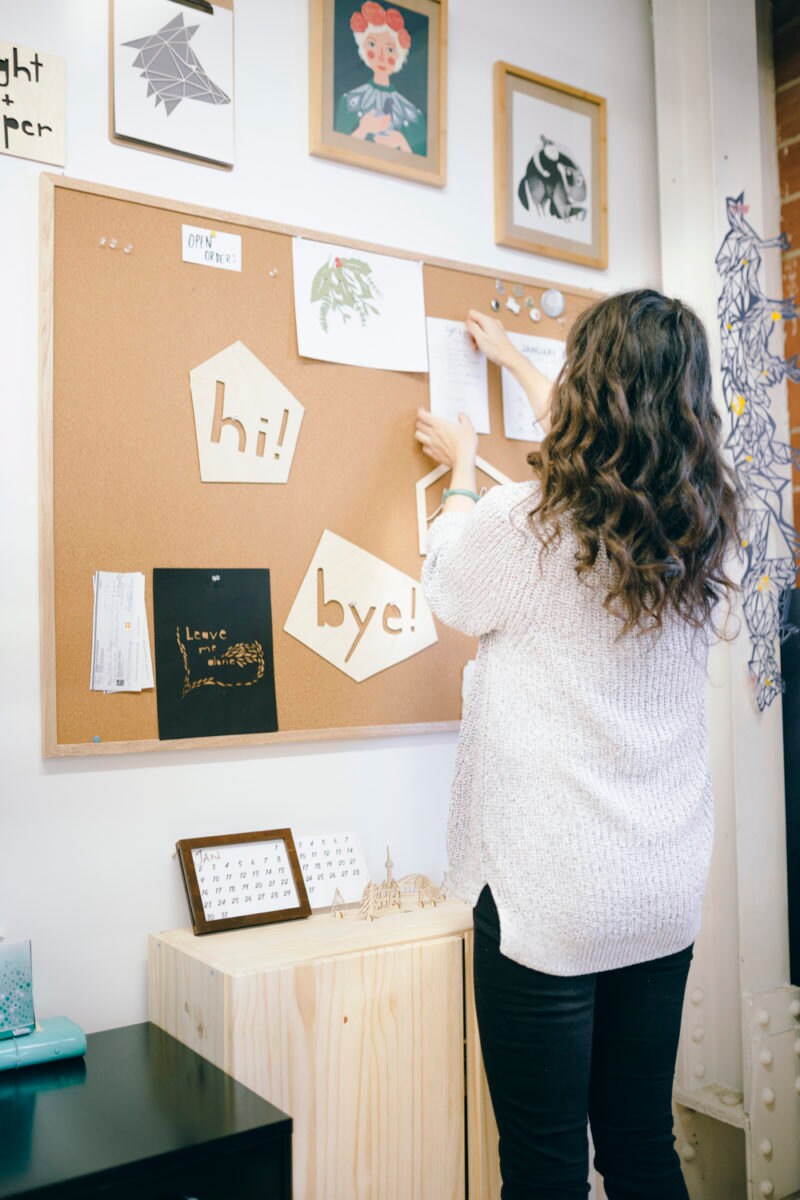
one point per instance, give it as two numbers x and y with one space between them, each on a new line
495 305
499 286
535 315
553 302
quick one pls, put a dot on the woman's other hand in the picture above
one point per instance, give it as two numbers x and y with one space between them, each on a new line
445 442
489 336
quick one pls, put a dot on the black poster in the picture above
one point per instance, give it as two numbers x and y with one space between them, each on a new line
214 664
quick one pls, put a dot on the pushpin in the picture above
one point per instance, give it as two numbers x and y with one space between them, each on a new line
495 305
273 271
535 315
96 737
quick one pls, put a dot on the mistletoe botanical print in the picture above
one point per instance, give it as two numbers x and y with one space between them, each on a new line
345 286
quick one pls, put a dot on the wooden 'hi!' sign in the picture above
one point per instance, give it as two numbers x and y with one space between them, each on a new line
33 103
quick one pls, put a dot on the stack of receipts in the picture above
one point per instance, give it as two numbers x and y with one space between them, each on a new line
121 659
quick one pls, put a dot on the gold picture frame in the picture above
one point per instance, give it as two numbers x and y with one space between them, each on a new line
551 190
346 109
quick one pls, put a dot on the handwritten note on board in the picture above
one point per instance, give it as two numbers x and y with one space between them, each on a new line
210 248
548 355
458 379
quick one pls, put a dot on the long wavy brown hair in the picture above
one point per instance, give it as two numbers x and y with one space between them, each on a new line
633 459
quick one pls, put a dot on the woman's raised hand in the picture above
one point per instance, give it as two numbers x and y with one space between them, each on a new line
489 336
444 441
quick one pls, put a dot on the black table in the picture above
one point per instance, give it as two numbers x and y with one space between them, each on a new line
142 1118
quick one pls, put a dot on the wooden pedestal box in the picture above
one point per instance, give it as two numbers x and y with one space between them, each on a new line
363 1032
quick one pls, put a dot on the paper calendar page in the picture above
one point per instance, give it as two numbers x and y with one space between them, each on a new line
253 877
330 861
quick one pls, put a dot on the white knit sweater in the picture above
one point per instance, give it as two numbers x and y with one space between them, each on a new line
582 793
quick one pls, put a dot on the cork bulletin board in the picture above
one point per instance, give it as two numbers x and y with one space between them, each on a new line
121 488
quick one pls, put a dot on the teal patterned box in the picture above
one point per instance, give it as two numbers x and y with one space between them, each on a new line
16 990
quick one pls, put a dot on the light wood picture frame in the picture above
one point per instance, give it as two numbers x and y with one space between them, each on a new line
367 122
551 191
236 880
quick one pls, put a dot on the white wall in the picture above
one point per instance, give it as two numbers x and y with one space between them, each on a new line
85 846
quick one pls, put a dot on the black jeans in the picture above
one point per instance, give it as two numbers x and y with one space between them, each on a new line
558 1049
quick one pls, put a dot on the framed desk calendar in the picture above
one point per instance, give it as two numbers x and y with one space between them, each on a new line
240 879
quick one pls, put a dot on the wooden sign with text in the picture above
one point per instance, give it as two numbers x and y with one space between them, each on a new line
33 100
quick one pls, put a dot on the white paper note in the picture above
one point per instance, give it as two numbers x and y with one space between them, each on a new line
548 355
330 861
121 659
210 248
364 309
458 379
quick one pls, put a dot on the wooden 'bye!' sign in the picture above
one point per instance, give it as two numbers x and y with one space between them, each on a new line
33 103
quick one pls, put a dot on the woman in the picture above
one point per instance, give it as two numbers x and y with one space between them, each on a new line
376 111
581 818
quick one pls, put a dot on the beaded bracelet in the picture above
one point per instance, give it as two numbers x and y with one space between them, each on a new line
448 492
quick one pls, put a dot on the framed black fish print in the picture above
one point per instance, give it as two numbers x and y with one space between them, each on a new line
550 168
379 85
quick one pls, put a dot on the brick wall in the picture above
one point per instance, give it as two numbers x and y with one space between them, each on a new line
786 44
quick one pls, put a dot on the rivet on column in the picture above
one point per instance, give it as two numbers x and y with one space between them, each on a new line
768 1096
697 996
794 1009
767 1188
688 1153
766 1058
762 1016
765 1147
698 1033
797 1047
699 1070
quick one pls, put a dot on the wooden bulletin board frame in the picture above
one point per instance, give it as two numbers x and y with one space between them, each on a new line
450 287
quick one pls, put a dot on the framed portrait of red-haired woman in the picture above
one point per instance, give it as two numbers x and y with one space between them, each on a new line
379 86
